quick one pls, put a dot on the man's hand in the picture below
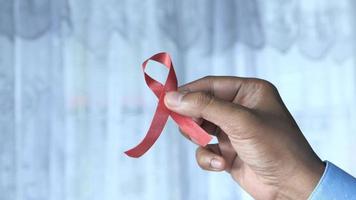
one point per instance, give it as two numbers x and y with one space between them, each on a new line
260 144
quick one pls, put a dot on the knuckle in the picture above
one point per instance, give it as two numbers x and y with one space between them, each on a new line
265 85
203 99
209 77
270 86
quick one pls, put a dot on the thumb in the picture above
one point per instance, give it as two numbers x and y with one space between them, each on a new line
203 105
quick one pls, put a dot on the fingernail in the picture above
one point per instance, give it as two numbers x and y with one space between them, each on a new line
215 163
173 99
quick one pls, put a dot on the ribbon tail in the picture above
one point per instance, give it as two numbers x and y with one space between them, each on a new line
195 132
159 120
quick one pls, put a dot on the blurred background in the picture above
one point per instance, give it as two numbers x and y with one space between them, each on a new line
73 97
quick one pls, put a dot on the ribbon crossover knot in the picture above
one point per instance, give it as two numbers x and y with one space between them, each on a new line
162 112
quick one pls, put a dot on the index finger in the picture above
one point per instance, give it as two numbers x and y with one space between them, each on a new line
222 87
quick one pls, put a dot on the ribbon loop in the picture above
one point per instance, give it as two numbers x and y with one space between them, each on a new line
162 112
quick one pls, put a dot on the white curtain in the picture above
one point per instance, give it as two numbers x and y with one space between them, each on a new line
73 99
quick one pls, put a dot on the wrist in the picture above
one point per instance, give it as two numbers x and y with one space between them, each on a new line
302 182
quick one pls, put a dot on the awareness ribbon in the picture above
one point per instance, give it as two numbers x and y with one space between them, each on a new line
195 132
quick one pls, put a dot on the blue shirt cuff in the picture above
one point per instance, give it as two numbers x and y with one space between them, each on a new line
335 184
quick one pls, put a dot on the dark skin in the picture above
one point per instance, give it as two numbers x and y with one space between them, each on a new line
259 142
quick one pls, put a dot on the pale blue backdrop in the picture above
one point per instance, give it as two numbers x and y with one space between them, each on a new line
72 95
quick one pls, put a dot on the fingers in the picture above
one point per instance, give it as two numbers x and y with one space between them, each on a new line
203 105
223 87
209 158
238 90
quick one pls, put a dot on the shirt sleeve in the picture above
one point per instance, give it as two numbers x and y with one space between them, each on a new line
335 184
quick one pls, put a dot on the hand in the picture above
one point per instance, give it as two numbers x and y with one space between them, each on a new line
259 143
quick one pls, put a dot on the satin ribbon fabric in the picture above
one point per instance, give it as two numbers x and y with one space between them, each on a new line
195 132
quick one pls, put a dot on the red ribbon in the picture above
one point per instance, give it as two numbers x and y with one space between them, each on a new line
195 132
